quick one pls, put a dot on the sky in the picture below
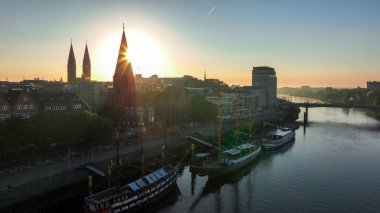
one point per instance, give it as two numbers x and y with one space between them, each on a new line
316 42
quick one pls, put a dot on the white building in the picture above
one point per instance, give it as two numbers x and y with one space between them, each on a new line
230 101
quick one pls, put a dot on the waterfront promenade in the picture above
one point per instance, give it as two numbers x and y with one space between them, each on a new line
50 168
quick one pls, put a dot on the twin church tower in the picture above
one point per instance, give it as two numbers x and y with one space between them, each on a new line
72 67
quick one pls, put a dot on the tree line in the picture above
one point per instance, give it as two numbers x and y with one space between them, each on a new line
52 129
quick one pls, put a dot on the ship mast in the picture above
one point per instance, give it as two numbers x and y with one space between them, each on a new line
237 114
219 126
141 124
250 120
163 145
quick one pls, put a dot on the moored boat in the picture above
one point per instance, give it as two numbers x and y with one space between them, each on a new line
136 195
240 154
277 138
232 160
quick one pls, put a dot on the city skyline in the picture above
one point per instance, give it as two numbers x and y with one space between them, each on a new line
314 43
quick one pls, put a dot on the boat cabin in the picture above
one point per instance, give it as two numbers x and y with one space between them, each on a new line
237 151
277 134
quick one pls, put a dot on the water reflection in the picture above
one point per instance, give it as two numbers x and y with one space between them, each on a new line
214 186
332 168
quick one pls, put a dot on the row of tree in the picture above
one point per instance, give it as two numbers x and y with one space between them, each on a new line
47 129
348 96
52 129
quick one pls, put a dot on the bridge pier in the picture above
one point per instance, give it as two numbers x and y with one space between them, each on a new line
306 116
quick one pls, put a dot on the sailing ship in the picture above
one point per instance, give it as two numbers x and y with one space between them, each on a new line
138 194
239 155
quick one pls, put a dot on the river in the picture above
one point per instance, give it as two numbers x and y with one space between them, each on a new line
332 167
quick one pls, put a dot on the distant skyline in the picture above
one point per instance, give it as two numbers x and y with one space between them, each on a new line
317 42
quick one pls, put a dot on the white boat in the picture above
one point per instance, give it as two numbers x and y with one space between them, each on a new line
277 138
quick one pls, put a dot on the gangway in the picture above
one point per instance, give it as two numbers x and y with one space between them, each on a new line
199 141
97 171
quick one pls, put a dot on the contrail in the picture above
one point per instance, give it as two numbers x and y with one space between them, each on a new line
212 9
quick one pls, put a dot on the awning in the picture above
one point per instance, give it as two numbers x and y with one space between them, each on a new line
133 186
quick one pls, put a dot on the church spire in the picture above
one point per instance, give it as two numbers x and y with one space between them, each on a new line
123 48
124 87
71 65
86 67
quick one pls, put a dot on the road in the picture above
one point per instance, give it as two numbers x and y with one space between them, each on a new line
46 169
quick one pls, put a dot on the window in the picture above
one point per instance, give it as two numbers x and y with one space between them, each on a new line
1 117
4 107
25 106
19 107
30 106
7 115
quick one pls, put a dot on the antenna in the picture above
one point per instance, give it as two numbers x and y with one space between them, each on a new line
123 25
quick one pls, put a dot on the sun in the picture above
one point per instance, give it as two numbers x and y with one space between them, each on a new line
147 55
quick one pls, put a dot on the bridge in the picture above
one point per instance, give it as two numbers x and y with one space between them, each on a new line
308 105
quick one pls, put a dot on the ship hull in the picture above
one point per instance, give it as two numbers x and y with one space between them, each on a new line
140 201
227 169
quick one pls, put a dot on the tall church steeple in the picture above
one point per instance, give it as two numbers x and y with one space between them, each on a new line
86 67
124 88
71 65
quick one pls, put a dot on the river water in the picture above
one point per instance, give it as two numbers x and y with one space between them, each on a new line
332 167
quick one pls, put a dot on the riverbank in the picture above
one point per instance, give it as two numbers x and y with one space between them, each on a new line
374 113
358 96
48 185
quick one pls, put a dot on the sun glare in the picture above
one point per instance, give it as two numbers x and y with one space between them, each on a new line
147 56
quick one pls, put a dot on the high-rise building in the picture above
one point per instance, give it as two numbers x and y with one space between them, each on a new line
124 88
265 77
86 66
71 66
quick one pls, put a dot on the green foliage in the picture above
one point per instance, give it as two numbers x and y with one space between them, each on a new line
201 110
46 128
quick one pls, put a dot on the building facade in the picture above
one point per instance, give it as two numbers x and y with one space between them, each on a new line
5 108
25 104
239 102
265 77
151 84
89 91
